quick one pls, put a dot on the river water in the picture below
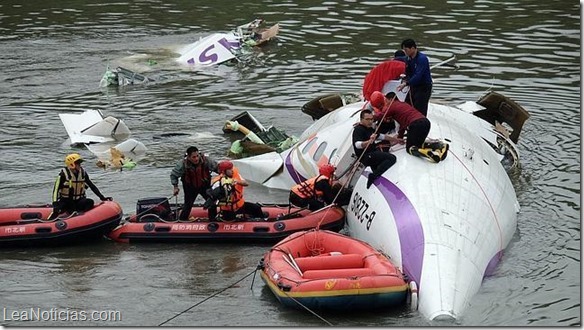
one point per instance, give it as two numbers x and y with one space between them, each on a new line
55 52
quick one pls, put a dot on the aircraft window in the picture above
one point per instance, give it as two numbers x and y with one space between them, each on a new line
319 151
332 154
308 145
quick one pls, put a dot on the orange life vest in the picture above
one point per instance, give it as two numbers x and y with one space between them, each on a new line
306 189
232 200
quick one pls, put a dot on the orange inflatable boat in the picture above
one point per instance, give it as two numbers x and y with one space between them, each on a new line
157 223
320 269
28 225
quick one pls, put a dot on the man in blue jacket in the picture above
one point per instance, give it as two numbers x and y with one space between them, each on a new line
418 76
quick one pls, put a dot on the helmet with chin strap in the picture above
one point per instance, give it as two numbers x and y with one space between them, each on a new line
224 166
326 170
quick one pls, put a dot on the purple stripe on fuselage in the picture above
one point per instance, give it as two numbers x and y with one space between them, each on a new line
292 171
409 228
490 270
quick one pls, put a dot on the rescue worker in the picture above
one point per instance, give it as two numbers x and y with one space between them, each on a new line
387 125
412 121
316 192
194 170
227 189
418 76
364 145
69 189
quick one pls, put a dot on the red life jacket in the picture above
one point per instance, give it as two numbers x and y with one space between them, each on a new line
380 74
199 175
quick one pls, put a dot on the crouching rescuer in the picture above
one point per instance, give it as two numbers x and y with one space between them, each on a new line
316 192
227 192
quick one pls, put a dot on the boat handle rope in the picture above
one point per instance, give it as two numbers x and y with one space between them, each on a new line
73 214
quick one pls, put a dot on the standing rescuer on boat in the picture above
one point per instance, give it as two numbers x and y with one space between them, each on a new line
316 192
69 189
195 173
227 189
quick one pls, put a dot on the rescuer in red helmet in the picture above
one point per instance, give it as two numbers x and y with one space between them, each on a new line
227 190
316 192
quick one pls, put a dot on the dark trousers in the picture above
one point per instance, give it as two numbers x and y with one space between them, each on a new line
417 133
421 97
313 204
379 161
191 194
252 209
68 205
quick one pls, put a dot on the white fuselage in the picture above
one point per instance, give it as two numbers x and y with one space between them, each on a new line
445 225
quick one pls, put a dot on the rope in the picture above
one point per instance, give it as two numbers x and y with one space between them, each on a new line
488 201
314 247
308 309
211 296
355 165
176 203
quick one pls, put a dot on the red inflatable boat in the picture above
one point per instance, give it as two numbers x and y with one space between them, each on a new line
27 225
320 269
280 221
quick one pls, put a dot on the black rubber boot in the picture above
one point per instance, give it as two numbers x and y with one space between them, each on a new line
370 180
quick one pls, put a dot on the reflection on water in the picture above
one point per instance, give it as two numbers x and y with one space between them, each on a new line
56 53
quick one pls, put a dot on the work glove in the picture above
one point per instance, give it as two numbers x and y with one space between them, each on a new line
175 191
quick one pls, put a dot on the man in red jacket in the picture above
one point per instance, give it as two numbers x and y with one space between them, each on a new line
410 120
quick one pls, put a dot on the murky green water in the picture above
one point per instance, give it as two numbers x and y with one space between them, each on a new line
54 54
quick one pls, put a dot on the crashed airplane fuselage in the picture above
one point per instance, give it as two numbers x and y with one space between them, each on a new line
445 224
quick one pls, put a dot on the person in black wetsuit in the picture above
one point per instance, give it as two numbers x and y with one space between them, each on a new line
364 145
